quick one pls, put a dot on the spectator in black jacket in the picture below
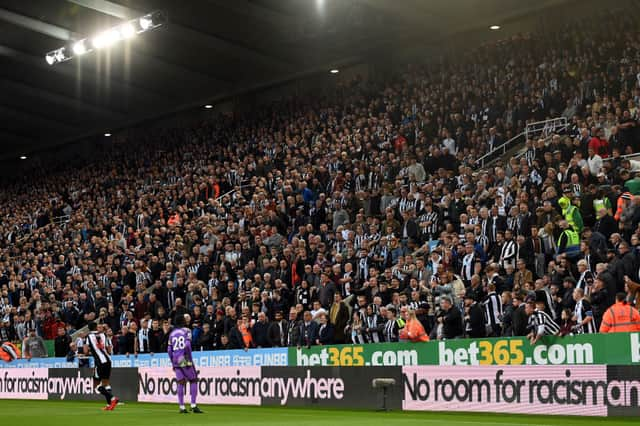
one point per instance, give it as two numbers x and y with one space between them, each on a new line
155 337
507 313
326 291
61 344
293 328
308 331
206 339
606 225
520 318
277 332
450 318
260 331
599 301
326 331
474 317
235 336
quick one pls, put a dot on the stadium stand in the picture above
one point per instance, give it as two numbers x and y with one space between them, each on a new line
350 207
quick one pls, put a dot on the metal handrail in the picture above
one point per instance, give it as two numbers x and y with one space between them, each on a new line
61 219
552 125
491 155
623 157
234 191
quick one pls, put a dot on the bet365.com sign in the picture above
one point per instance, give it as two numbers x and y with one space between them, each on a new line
585 349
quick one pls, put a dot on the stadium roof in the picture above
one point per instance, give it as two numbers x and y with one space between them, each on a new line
210 50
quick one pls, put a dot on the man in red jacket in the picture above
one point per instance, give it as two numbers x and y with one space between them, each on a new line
599 144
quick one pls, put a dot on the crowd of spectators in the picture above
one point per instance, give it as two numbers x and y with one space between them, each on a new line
342 217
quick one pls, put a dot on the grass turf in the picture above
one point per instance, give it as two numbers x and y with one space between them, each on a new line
66 413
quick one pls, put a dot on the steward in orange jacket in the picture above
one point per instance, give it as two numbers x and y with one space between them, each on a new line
413 330
620 317
9 352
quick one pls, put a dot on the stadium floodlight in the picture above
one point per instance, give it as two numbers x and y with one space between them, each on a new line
59 55
107 134
146 22
334 71
208 106
127 30
108 38
494 27
151 20
80 48
23 157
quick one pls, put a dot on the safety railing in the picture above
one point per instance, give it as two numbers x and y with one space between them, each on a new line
499 151
545 128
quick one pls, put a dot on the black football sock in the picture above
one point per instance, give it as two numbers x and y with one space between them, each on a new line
104 392
109 394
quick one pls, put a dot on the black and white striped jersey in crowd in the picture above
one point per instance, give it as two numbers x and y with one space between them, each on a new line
582 311
542 324
391 330
193 268
493 309
406 205
432 227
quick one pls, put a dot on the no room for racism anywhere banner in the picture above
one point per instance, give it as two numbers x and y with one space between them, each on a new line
578 390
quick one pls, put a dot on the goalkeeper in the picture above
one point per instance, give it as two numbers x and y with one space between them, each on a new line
179 350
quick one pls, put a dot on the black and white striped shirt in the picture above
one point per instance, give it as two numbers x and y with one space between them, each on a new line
193 268
508 254
530 155
542 324
372 326
99 347
468 266
431 229
582 311
493 309
391 331
406 205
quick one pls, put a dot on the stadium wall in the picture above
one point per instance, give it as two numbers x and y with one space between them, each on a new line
599 390
595 375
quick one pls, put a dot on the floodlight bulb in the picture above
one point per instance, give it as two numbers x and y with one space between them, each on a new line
23 157
50 59
99 41
494 27
127 31
146 22
112 36
334 71
79 48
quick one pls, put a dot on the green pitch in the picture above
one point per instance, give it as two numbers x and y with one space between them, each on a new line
64 413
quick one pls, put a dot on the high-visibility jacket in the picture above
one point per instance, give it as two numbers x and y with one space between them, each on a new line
9 352
414 332
573 241
571 214
573 217
620 318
